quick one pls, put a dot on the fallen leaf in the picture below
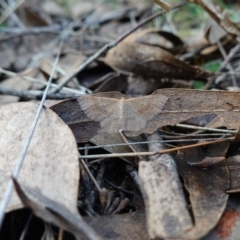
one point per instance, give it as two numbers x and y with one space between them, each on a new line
234 166
51 164
167 215
228 226
53 212
150 61
206 187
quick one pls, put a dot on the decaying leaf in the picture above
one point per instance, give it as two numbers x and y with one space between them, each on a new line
90 121
51 164
167 215
206 187
228 226
53 212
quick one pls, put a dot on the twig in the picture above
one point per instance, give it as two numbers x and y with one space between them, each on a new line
224 54
229 57
10 10
135 154
90 175
206 128
13 74
110 45
33 94
147 142
16 33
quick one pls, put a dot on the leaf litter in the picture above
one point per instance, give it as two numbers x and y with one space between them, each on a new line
143 78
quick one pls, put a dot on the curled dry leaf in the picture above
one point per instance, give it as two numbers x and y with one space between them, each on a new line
150 61
51 164
53 212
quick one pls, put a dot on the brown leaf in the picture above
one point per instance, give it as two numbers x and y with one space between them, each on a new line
150 61
51 163
53 212
234 166
228 226
167 215
206 187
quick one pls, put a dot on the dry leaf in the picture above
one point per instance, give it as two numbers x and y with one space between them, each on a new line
228 226
150 61
53 212
53 8
234 166
206 187
51 164
19 83
167 215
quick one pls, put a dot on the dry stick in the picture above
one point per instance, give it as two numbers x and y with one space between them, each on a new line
224 54
135 154
229 57
7 13
30 31
31 79
146 142
206 128
33 94
110 45
20 161
90 175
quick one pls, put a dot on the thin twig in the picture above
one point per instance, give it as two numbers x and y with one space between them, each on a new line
33 94
16 33
18 166
229 57
147 142
10 10
110 45
90 175
31 79
206 128
224 54
135 154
